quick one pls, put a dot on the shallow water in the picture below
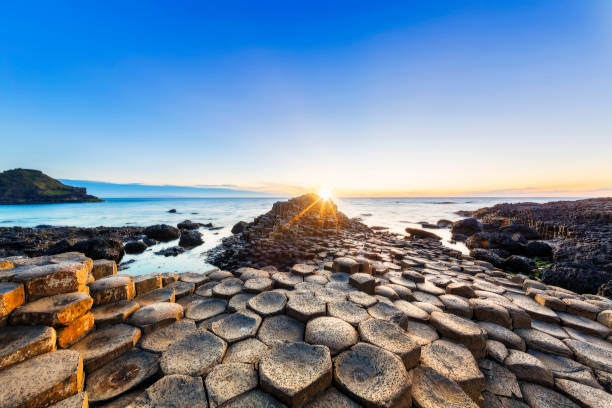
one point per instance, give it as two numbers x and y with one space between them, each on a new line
394 213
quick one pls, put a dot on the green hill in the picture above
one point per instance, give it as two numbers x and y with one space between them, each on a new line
21 186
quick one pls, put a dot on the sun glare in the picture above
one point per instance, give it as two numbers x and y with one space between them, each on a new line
325 194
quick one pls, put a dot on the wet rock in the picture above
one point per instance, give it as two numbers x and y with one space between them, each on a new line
162 232
248 351
538 248
391 337
112 289
135 247
188 225
104 345
237 326
177 391
112 313
121 375
421 234
58 310
171 251
457 363
528 368
100 248
541 397
42 380
280 328
190 239
519 264
468 226
156 315
430 389
205 309
19 343
195 354
372 376
461 330
159 340
334 333
268 303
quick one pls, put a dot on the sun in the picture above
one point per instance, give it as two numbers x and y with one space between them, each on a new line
325 194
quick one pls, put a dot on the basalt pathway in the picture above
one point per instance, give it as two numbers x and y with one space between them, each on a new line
375 324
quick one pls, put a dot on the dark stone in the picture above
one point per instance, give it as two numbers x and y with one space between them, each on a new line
580 278
100 248
190 239
468 226
239 227
162 232
487 255
459 237
538 248
188 225
134 247
421 234
605 289
173 211
172 251
444 223
515 243
525 230
518 263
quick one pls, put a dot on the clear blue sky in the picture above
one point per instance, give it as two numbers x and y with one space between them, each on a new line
410 97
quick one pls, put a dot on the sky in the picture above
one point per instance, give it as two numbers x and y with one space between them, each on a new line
407 98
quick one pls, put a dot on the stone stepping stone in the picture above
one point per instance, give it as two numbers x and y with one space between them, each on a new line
346 265
174 391
112 313
195 354
541 341
147 283
533 308
413 312
362 299
499 380
304 306
541 397
258 285
303 269
103 268
112 289
591 355
19 343
159 340
205 308
461 330
431 389
403 281
198 279
121 375
457 306
348 312
427 307
430 288
78 328
228 288
106 344
329 295
268 303
331 397
487 287
156 296
341 286
42 380
507 337
582 308
228 381
421 333
552 302
280 328
332 332
585 325
386 311
363 282
496 350
403 292
168 278
219 275
310 368
372 376
156 315
181 289
79 400
12 295
413 275
587 338
457 363
52 279
386 291
584 394
566 368
528 368
489 311
427 298
549 328
247 273
318 279
462 289
237 326
58 310
286 280
239 302
255 399
248 351
391 337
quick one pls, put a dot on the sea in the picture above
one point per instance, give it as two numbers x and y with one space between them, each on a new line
394 213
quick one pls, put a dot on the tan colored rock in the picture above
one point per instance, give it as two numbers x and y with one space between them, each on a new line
533 308
461 330
496 350
540 341
431 389
362 299
499 381
42 380
228 288
565 368
542 397
79 400
334 333
509 338
585 395
68 335
549 328
226 382
391 337
582 308
12 295
280 328
121 375
311 369
147 283
156 296
304 306
104 345
176 391
457 363
258 285
58 310
331 397
248 351
51 279
156 315
588 338
103 268
237 326
456 305
181 289
255 399
588 354
528 368
585 325
462 289
303 269
6 264
489 311
113 313
195 354
372 376
421 333
112 289
19 343
268 303
346 265
239 302
388 311
159 340
552 302
605 318
198 279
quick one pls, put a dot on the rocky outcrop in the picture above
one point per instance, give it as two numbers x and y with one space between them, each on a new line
162 232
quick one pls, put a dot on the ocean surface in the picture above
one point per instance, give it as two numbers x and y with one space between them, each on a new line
394 213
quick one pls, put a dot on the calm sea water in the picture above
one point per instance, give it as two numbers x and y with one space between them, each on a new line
394 213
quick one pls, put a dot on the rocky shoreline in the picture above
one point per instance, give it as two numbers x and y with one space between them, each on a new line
308 309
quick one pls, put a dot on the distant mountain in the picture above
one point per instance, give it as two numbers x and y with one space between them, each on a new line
22 186
112 190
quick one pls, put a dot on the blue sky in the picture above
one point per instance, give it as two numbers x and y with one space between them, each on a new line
382 98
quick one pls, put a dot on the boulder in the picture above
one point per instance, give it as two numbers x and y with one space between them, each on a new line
162 232
525 230
515 244
239 227
519 264
100 248
421 234
190 239
539 249
467 227
487 255
134 247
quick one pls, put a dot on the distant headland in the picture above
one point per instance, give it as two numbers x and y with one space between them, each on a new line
23 186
